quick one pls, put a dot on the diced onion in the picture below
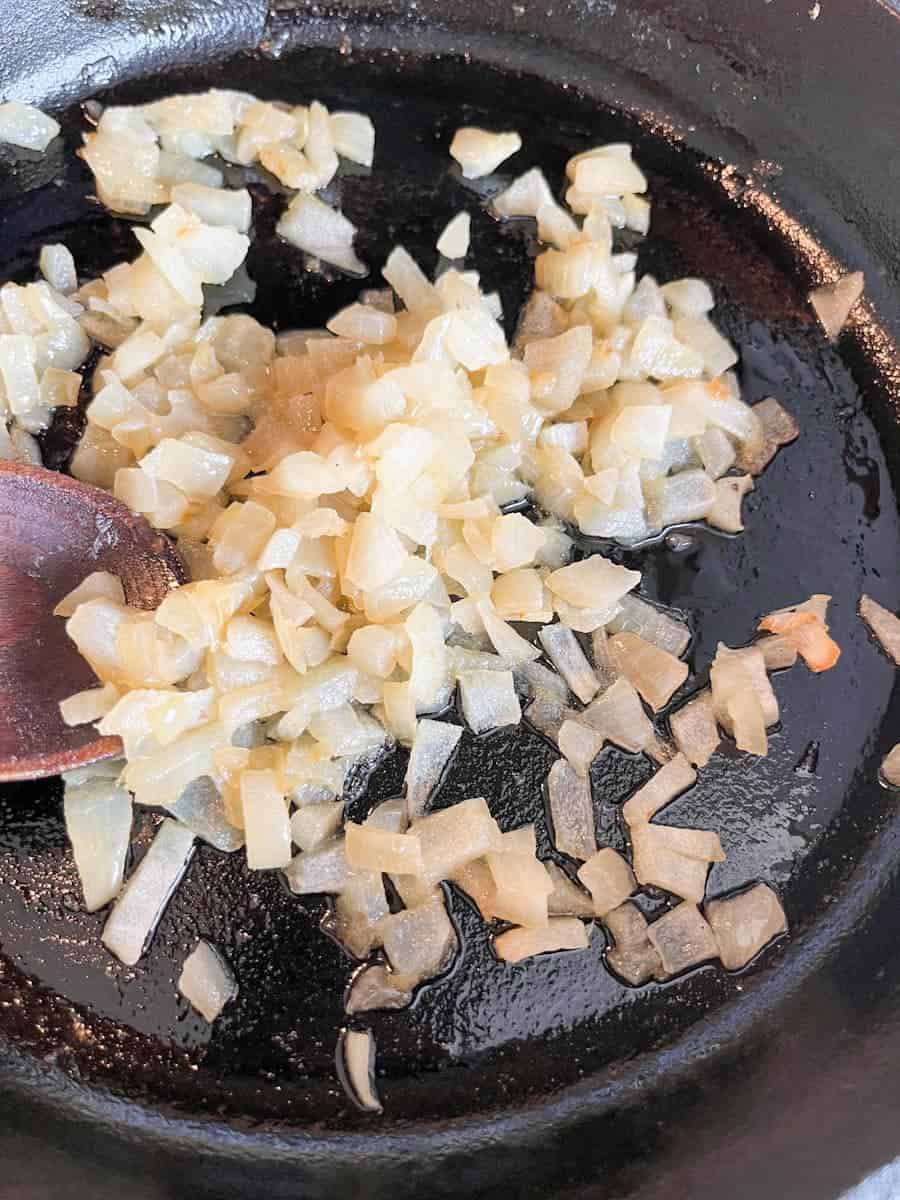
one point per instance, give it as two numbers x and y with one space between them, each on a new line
560 933
356 1066
26 126
683 939
571 811
608 878
98 822
883 624
479 152
833 302
745 923
206 981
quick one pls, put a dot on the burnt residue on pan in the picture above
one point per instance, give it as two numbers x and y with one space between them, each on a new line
823 518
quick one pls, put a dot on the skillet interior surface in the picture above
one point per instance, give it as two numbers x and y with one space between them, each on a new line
824 518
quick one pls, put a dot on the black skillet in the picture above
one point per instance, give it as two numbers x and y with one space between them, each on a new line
769 132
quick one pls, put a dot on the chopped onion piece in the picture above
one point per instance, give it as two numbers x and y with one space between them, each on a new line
618 716
136 913
652 624
608 878
480 152
741 690
778 429
374 986
202 809
580 744
324 869
312 226
810 635
206 981
778 651
657 864
488 699
89 705
833 302
315 824
26 126
267 826
356 1068
745 923
683 939
890 767
694 728
419 941
454 241
883 624
655 673
372 849
566 654
592 583
98 822
521 887
567 899
673 778
455 836
432 749
560 933
571 811
633 956
725 512
99 585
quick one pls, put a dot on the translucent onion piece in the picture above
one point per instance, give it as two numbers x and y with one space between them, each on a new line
608 878
725 511
560 933
26 126
657 864
632 956
745 923
571 811
883 624
779 652
652 624
739 676
592 583
373 987
355 1059
373 849
358 910
324 869
136 913
419 941
206 981
655 673
580 744
201 808
673 778
618 716
566 654
683 939
98 822
488 699
521 887
455 836
315 824
694 727
567 899
313 226
833 302
432 749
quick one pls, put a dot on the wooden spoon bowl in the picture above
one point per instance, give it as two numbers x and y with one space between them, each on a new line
53 532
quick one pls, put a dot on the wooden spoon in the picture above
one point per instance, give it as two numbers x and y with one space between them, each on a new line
53 532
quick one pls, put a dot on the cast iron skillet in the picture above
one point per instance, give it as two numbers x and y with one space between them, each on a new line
768 138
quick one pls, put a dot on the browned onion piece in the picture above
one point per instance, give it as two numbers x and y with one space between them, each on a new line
833 302
683 938
567 899
656 864
778 429
571 811
632 956
560 933
355 1060
372 987
608 878
675 777
883 624
744 923
655 673
695 730
890 768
